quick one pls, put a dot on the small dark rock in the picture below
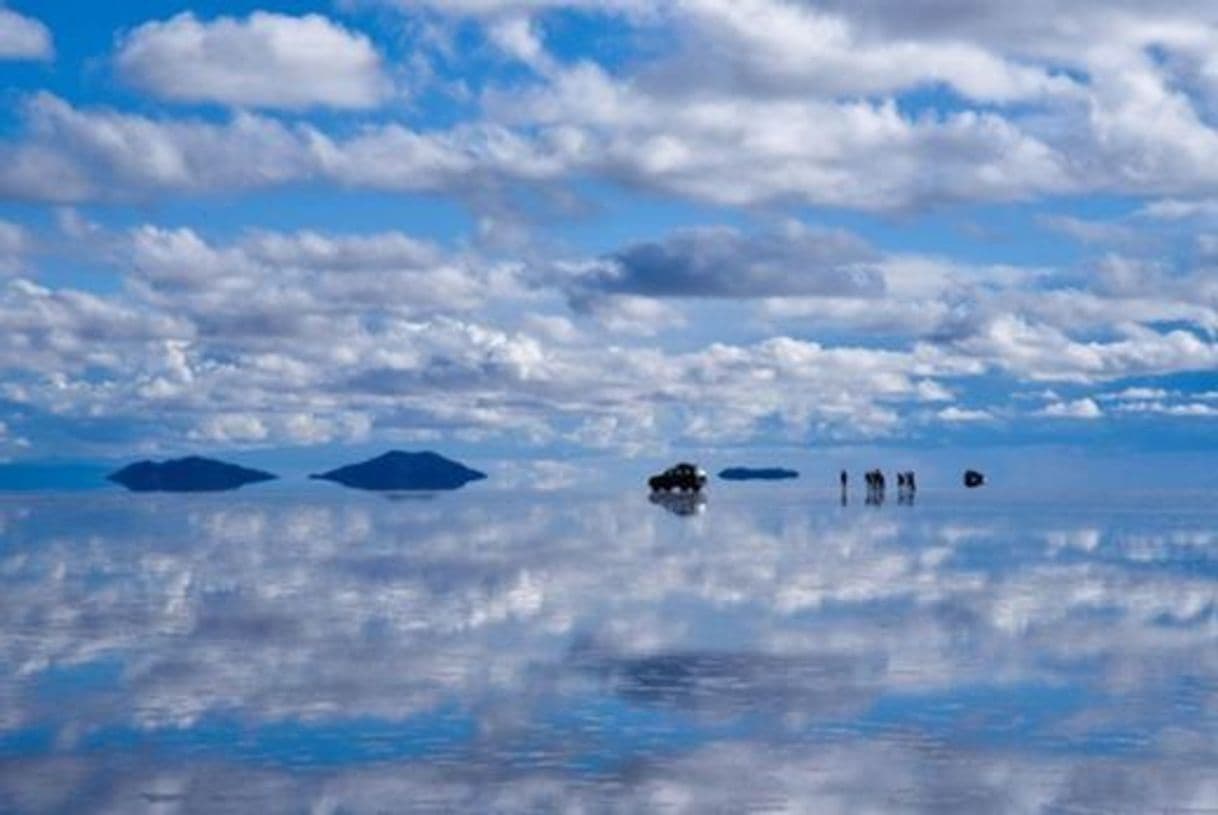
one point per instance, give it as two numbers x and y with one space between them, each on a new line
973 479
757 474
191 474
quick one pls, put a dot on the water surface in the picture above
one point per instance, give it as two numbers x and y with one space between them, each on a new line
331 651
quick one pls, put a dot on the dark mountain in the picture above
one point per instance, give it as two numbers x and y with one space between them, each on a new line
757 474
191 474
397 470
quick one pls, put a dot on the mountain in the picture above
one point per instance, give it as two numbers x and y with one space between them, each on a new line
191 474
397 470
757 474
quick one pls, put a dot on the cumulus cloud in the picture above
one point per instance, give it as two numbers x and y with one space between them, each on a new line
14 243
867 106
722 262
1159 407
23 37
752 128
798 105
956 414
1044 352
302 337
1078 409
739 149
266 60
73 155
798 48
305 336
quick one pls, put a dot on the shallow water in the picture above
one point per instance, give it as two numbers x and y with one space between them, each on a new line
332 651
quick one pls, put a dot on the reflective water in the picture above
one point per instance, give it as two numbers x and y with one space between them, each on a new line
769 651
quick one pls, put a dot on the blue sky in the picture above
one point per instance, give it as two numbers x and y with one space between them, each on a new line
605 227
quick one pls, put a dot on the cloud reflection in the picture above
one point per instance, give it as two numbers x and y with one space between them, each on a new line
550 653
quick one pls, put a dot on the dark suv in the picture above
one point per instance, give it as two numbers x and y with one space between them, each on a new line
683 477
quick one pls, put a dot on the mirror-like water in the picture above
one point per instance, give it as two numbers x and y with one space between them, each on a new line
770 651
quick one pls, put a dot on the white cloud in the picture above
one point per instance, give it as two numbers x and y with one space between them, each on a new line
73 155
956 414
303 337
1077 409
1193 410
1046 353
798 48
1171 209
231 428
23 37
14 244
837 104
266 60
1136 394
739 149
724 263
787 104
306 337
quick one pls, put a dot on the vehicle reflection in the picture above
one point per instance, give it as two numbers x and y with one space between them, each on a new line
684 504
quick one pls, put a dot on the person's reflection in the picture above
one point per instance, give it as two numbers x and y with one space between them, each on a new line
907 488
684 504
875 488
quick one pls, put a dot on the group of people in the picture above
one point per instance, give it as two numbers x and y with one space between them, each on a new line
907 486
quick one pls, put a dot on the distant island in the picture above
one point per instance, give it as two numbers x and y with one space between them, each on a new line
191 474
398 470
757 474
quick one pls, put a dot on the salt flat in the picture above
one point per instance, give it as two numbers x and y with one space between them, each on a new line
307 650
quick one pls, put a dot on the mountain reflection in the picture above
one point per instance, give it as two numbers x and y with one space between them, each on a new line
553 653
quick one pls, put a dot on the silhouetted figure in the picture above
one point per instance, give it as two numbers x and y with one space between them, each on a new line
905 488
844 478
875 487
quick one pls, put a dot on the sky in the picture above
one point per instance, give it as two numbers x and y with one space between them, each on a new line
607 227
